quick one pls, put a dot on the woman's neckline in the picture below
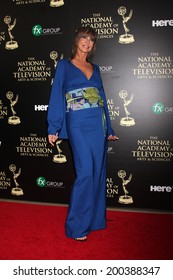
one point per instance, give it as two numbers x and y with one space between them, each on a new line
88 78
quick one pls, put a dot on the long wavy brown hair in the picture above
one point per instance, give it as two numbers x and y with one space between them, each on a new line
80 33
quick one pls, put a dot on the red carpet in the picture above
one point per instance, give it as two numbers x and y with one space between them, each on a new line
36 232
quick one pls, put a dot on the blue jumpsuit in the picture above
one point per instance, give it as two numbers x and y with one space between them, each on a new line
78 112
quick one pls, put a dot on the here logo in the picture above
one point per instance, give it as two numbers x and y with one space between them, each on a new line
160 188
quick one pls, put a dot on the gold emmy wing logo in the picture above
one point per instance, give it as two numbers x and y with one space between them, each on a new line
59 158
125 38
17 190
125 199
10 45
56 3
13 119
126 121
54 56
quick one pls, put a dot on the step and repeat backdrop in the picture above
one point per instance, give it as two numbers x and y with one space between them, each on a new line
134 52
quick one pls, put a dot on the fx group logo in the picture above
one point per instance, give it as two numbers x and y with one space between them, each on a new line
37 30
41 182
158 108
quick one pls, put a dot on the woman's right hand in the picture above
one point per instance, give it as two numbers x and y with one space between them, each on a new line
52 138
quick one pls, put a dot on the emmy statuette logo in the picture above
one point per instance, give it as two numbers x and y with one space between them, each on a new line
126 121
10 45
56 3
59 158
13 119
125 38
125 199
54 56
17 190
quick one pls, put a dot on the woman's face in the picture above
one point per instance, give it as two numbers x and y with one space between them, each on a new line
85 44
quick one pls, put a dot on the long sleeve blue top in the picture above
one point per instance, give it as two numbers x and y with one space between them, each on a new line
67 78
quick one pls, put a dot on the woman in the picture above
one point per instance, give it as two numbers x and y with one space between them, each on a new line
78 111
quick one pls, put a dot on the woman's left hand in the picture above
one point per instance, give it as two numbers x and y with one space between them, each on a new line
112 137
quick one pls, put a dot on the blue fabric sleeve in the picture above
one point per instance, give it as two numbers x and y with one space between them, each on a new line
110 130
56 107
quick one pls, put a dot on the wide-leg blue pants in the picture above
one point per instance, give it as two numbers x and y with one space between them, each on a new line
87 207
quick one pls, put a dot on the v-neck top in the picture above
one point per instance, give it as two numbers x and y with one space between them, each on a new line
67 78
82 71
